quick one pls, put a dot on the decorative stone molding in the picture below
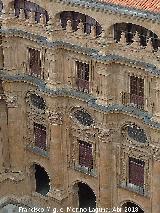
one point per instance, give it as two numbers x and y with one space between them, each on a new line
55 118
156 153
12 100
137 154
57 194
13 176
105 135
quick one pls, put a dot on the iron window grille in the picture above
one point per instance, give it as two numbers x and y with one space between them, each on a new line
40 136
85 154
35 63
137 91
136 172
82 79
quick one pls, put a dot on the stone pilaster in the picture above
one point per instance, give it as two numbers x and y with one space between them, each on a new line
15 132
56 156
156 186
105 168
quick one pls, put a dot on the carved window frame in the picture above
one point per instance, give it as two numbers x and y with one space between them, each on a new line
124 176
75 152
31 119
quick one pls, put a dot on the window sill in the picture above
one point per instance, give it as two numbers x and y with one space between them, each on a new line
85 170
37 150
133 188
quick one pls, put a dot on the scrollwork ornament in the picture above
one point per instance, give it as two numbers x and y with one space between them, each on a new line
105 135
55 118
12 100
156 154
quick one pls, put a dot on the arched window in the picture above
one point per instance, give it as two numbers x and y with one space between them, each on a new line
130 30
136 133
37 101
42 180
28 7
76 17
83 117
86 196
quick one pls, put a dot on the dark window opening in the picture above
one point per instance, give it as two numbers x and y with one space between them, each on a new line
137 133
136 172
130 30
42 180
85 154
131 207
40 136
87 197
83 117
28 6
137 91
82 76
37 101
75 19
34 62
1 6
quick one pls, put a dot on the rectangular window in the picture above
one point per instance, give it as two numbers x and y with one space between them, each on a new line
82 76
34 62
136 172
85 154
137 91
40 136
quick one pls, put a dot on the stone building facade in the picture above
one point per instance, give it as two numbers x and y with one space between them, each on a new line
79 106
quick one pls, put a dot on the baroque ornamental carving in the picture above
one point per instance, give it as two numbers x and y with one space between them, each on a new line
12 100
55 118
105 135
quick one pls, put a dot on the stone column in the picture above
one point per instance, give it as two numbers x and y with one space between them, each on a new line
155 188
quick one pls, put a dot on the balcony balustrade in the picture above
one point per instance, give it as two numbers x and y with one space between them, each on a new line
131 187
84 169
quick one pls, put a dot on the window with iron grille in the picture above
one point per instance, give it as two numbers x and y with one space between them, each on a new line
34 62
83 117
137 91
40 136
85 154
136 172
136 133
37 101
82 76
